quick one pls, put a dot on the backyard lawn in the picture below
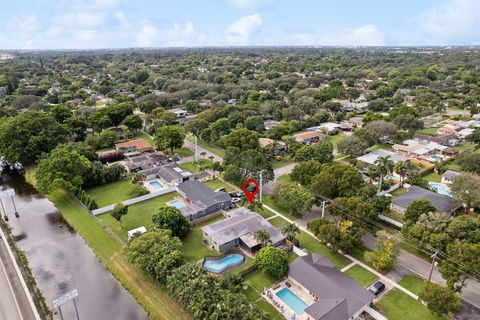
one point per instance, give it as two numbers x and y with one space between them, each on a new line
193 246
397 305
217 184
335 139
312 245
364 277
381 146
111 193
398 192
139 214
143 135
278 221
195 166
433 177
428 131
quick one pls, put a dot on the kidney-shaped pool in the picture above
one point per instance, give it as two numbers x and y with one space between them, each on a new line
219 265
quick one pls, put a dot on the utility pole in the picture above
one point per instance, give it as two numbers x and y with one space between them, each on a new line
14 207
261 184
4 212
196 149
434 257
323 208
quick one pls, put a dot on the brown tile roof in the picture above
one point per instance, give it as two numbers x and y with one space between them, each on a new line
309 135
139 144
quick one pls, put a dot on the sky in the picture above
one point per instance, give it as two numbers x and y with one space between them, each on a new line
91 24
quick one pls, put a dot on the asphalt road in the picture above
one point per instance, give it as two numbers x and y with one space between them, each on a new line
14 304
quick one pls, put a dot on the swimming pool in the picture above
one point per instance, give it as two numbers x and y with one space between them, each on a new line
156 185
292 300
176 203
219 265
440 188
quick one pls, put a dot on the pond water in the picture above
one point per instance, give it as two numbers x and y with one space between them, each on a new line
62 261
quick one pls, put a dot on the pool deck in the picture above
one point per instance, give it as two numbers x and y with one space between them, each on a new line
150 188
271 296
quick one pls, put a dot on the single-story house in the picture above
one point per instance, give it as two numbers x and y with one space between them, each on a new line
464 133
348 106
239 229
269 124
309 137
346 126
328 127
180 113
415 148
443 139
450 152
442 203
144 161
449 129
336 296
356 121
279 146
171 173
372 156
202 200
449 175
133 145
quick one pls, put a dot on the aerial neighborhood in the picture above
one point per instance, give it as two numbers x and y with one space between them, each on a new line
365 195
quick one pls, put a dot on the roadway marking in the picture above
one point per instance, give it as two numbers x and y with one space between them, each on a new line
11 289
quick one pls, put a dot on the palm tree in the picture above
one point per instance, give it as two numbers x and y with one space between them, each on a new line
384 166
255 205
439 167
263 237
401 169
373 173
290 230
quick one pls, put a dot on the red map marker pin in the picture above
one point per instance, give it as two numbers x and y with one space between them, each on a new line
250 195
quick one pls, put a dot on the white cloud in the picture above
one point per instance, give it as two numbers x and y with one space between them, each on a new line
80 20
247 3
121 18
240 32
176 35
367 35
147 36
452 18
26 24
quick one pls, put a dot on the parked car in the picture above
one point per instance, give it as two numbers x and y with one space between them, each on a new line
377 288
236 199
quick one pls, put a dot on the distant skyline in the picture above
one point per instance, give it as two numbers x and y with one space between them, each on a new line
90 24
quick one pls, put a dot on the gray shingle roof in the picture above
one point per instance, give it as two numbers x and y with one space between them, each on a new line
442 203
171 172
240 222
338 296
450 174
197 192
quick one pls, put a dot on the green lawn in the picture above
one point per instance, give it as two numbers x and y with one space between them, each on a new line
313 245
185 152
217 184
364 277
282 163
413 283
195 166
284 178
278 221
193 246
335 139
139 214
111 193
381 146
429 131
395 215
143 135
265 213
205 145
358 253
397 305
433 177
267 200
256 281
398 192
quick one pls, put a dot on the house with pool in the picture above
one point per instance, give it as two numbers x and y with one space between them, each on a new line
238 230
199 201
316 290
441 202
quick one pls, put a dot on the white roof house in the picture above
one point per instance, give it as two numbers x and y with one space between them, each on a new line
372 156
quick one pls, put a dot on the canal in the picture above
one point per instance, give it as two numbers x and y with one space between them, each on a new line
62 261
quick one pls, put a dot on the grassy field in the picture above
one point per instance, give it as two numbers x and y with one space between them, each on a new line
139 214
217 184
185 152
278 221
205 145
195 166
312 245
282 163
335 139
155 300
364 277
111 193
143 135
284 178
433 177
193 247
398 192
397 305
413 283
428 131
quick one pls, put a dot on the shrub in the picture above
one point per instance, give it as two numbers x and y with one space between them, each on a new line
137 191
272 261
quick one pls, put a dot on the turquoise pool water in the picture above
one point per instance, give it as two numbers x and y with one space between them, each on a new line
156 185
292 300
440 188
176 203
220 265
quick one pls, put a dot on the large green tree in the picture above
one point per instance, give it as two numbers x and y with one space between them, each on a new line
353 208
29 135
304 172
62 169
169 138
417 208
440 300
297 200
336 180
463 262
466 189
172 219
243 139
273 261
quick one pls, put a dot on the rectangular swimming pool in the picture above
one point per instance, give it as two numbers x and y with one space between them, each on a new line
176 203
156 185
292 300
